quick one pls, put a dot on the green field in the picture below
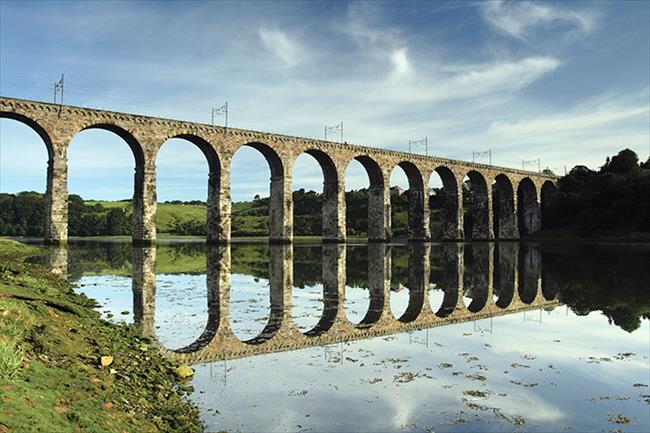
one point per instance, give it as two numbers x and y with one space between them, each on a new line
165 212
247 217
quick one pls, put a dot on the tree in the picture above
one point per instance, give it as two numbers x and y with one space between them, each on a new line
625 161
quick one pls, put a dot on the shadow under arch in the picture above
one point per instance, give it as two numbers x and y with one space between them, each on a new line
505 219
528 210
417 202
451 211
477 221
330 212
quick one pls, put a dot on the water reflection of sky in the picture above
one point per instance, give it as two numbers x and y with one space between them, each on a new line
533 371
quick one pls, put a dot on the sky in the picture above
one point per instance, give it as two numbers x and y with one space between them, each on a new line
565 82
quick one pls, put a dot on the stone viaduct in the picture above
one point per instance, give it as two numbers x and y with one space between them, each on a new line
499 280
504 203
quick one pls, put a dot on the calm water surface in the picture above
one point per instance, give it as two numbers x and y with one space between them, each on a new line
451 337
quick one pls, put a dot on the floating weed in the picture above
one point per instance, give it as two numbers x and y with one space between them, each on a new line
618 418
477 393
476 376
623 355
527 385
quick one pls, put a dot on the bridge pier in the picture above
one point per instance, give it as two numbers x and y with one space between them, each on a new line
452 210
144 289
333 212
418 215
144 204
333 275
214 233
281 210
56 196
419 266
379 220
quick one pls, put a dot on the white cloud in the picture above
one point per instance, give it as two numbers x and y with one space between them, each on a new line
281 45
518 19
401 65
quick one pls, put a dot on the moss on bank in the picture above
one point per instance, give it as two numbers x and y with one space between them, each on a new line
51 374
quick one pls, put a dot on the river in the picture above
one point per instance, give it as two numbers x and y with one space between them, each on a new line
390 337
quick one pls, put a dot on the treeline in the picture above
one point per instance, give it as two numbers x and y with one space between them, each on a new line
612 200
23 214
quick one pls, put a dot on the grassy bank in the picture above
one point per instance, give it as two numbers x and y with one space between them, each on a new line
51 373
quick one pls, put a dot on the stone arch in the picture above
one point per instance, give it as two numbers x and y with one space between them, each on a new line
373 170
213 211
418 208
503 199
333 205
452 216
134 145
56 185
476 197
547 197
272 157
378 200
40 130
528 209
280 201
144 184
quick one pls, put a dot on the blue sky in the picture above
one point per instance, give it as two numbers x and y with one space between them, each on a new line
567 82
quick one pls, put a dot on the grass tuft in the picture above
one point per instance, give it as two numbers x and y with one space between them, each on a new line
11 359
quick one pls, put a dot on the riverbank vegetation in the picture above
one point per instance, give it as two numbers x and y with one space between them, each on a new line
611 201
22 214
614 200
63 369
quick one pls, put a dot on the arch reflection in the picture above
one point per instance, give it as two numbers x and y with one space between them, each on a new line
477 270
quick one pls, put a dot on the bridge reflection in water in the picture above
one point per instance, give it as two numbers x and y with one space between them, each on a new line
477 281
